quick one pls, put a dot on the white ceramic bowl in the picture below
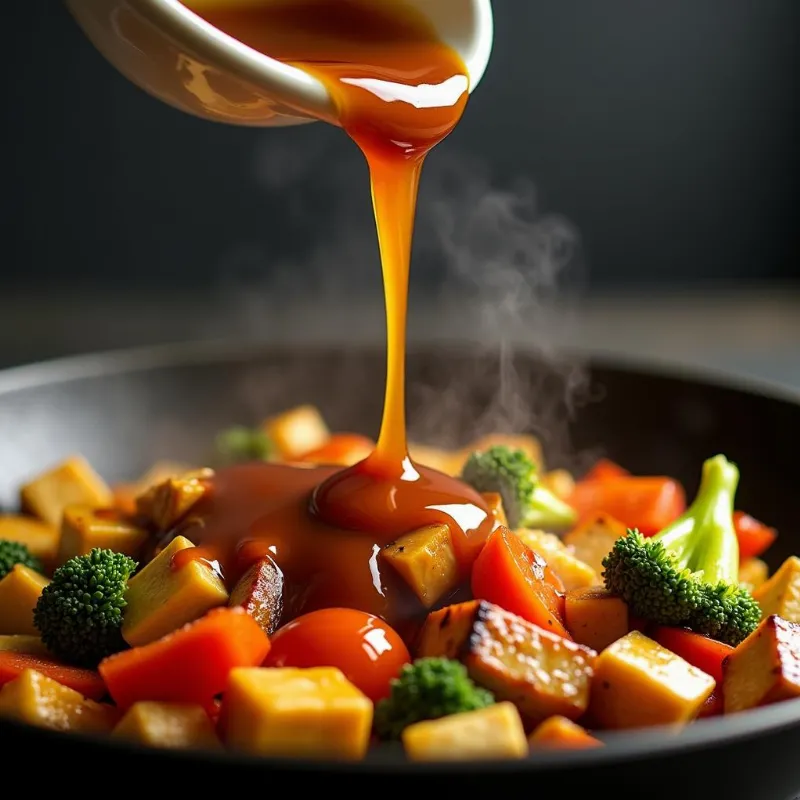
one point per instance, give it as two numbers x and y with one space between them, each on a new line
178 57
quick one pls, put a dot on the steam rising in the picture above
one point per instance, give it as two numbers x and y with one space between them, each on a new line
490 273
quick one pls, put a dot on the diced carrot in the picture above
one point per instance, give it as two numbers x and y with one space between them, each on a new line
700 651
561 733
754 537
605 469
190 665
646 503
342 449
714 706
85 681
511 575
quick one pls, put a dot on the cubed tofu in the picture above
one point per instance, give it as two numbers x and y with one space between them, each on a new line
560 733
595 617
39 537
161 598
764 668
560 482
73 482
39 700
20 590
492 733
297 431
753 573
541 673
436 458
593 540
574 573
84 528
495 502
26 644
167 503
260 593
638 683
172 725
426 561
296 713
781 593
530 445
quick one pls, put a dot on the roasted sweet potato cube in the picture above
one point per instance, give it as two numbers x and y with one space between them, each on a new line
592 540
260 593
764 668
167 503
426 560
171 725
297 431
84 528
495 502
39 537
781 593
574 573
638 683
560 733
70 482
595 617
125 494
541 673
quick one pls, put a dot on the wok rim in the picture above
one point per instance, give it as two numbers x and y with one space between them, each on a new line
619 746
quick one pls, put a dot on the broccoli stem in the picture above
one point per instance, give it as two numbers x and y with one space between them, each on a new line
703 539
547 511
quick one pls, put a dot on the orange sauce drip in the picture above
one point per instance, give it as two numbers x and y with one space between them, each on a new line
398 91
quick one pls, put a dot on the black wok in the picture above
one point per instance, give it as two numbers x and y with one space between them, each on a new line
124 411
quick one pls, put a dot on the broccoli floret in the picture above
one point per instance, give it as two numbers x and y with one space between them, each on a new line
688 573
13 553
513 475
79 613
427 689
240 444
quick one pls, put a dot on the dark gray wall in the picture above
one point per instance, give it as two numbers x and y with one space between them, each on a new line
666 131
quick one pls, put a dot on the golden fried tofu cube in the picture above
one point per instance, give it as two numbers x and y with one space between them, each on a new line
297 431
173 725
574 573
764 668
560 482
594 539
781 593
20 590
541 673
492 733
296 713
530 445
426 561
73 482
495 502
167 503
166 594
38 700
560 733
260 593
753 573
84 528
638 683
39 537
595 617
27 644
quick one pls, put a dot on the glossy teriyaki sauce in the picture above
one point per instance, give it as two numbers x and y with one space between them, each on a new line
398 91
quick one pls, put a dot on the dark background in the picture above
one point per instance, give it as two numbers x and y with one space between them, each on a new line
665 131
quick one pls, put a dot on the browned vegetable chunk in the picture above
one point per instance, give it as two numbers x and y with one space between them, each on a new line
753 573
167 503
541 673
595 617
560 733
426 561
83 528
39 537
592 541
781 593
260 593
764 668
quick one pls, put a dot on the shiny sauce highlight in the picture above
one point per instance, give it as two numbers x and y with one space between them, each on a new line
398 92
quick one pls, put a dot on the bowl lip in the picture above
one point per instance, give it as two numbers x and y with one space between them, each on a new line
619 746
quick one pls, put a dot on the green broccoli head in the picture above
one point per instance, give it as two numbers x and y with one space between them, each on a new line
13 553
240 444
513 475
688 573
429 688
79 613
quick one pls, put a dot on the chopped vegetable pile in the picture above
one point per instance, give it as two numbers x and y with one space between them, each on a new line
594 604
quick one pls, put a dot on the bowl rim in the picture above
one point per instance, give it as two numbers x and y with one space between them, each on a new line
619 746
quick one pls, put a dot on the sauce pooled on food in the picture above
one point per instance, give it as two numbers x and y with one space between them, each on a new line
398 91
